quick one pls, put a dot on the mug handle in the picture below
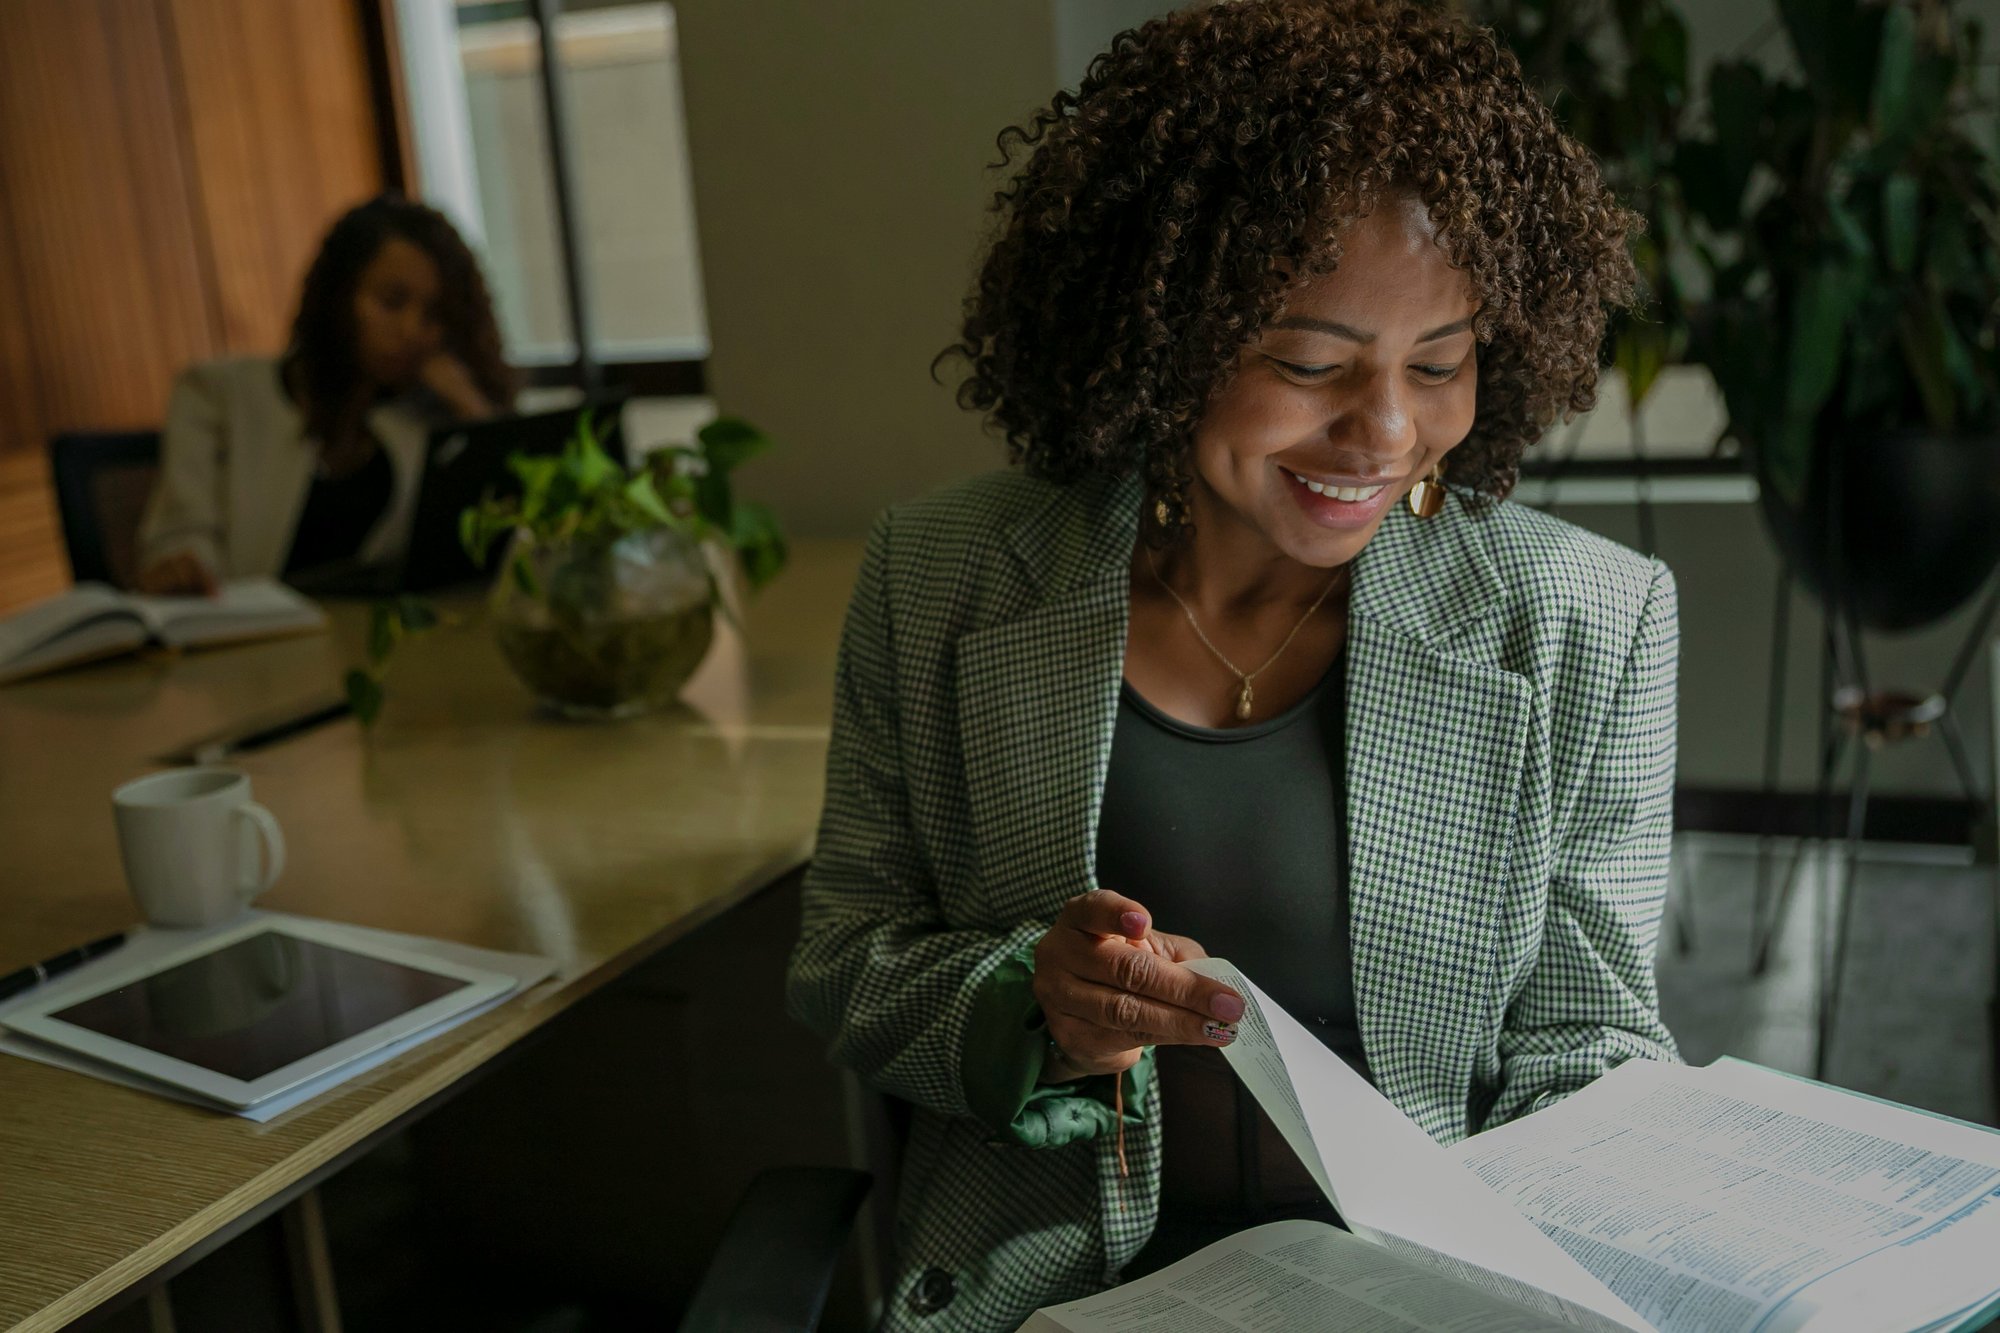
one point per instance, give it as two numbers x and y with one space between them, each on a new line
273 839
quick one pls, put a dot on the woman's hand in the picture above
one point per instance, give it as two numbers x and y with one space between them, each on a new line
1109 985
451 380
181 574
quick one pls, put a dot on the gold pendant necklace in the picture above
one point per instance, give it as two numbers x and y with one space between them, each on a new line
1245 695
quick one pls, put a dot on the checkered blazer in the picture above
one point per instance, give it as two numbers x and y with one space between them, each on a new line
1510 755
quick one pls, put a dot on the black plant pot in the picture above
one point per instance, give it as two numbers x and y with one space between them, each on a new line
1900 529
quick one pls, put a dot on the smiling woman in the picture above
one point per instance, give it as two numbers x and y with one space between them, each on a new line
1248 656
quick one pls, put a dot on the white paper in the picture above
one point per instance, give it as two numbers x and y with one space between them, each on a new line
1737 1199
1289 1276
1390 1181
89 620
146 942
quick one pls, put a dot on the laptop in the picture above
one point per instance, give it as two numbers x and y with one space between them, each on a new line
465 462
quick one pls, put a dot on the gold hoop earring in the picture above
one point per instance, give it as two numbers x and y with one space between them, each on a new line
1426 498
1170 509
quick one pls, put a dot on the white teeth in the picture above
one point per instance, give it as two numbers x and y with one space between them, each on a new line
1351 494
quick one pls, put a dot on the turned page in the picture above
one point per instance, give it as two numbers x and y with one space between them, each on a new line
1391 1183
1293 1275
1733 1198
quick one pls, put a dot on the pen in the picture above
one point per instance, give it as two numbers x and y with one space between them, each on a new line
36 973
214 752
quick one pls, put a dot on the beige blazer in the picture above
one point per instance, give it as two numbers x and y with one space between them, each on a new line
235 466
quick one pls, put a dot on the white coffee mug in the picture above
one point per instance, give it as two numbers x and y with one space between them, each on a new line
196 848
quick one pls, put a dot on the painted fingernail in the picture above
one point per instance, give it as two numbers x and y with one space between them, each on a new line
1134 923
1223 1033
1226 1007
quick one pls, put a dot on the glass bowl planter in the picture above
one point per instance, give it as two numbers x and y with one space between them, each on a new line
604 629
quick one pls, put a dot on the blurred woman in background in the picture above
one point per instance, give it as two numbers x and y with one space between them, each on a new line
309 461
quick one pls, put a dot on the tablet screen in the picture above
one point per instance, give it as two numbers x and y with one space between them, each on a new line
255 1006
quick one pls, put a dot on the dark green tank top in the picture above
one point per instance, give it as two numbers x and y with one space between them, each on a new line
1237 838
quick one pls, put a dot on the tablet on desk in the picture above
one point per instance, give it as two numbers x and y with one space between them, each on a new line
246 1014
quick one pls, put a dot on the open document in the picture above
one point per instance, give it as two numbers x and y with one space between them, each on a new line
1721 1200
1735 1198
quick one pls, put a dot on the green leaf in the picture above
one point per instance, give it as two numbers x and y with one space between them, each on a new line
729 442
1785 457
1848 229
584 459
538 476
382 631
758 543
1923 332
1818 330
712 498
1641 354
1714 174
364 696
644 497
1900 204
470 539
1665 46
1895 71
523 571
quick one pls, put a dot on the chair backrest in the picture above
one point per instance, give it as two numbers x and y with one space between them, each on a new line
102 480
878 1129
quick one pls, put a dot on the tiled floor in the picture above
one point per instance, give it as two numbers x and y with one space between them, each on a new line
1913 1018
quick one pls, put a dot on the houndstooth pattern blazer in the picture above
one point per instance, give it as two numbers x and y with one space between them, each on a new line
1510 754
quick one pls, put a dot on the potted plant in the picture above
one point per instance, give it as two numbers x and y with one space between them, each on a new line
604 600
1853 257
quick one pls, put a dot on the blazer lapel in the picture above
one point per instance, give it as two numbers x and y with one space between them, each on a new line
1038 702
1435 745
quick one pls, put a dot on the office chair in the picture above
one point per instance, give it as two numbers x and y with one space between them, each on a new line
777 1258
102 480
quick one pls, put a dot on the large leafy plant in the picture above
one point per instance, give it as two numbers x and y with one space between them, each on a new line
1849 227
1823 242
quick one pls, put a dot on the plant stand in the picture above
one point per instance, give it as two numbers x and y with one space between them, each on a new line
1856 720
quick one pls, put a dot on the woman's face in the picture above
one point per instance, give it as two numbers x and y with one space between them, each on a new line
396 323
1362 382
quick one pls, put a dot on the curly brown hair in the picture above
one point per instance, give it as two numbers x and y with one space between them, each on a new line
1141 244
323 340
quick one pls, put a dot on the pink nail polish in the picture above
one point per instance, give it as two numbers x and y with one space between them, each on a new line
1227 1007
1134 923
1222 1032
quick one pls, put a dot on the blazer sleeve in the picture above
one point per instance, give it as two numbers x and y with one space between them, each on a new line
1591 1001
937 1015
184 512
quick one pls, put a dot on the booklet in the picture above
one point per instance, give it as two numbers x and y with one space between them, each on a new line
94 620
1730 1199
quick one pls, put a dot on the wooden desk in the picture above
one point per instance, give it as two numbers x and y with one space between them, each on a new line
465 815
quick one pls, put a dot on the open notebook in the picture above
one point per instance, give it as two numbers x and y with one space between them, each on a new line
1730 1199
93 620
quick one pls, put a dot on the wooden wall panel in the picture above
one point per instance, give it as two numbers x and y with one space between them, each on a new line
284 139
94 176
31 558
20 399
